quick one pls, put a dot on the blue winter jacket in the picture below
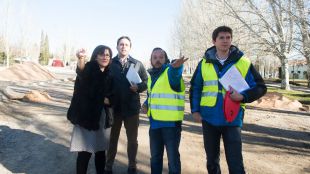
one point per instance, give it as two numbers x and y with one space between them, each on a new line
215 115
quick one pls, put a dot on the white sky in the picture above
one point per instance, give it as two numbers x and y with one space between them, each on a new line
88 23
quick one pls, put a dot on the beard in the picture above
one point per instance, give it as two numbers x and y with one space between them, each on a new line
157 64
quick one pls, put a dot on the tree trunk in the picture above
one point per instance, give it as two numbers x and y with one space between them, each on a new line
308 71
306 49
285 74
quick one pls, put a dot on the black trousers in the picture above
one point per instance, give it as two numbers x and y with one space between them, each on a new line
232 144
131 125
83 160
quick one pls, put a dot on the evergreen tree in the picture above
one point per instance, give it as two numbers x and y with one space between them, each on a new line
44 49
41 48
2 57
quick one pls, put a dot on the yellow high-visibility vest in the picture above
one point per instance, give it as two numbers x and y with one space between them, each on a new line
210 88
165 104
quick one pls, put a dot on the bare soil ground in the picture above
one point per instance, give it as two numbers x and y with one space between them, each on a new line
35 137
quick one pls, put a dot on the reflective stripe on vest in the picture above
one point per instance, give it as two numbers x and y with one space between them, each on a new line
210 88
164 103
172 96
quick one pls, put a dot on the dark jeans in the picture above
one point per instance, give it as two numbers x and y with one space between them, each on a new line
232 144
168 137
131 125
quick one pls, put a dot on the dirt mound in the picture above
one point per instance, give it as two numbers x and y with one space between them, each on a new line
11 94
26 71
274 100
37 96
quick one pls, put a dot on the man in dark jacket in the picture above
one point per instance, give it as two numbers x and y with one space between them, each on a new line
127 107
206 98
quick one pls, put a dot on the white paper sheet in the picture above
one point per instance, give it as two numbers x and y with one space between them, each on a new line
234 79
133 76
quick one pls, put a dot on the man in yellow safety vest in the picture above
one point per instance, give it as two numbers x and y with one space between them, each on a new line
207 99
165 109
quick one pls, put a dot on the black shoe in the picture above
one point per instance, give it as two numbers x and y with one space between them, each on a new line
108 172
132 171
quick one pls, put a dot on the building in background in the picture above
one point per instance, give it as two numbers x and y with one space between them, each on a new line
298 69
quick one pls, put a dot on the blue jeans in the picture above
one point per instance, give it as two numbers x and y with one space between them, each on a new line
232 144
168 137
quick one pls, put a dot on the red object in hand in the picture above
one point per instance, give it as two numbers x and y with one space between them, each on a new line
231 108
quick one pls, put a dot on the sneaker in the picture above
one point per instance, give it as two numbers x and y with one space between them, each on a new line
108 172
132 171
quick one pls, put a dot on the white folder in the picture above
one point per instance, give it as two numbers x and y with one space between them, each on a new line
233 78
133 76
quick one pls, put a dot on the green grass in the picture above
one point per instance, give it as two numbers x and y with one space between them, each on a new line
302 97
297 82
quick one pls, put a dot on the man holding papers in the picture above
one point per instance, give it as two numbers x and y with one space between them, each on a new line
224 68
128 107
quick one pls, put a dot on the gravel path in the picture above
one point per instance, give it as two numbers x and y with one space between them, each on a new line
35 138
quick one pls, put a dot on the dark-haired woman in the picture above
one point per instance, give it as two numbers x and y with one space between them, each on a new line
90 110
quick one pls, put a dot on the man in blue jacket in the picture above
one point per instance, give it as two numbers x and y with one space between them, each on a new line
165 109
206 99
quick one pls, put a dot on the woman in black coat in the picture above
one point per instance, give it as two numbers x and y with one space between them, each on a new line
90 110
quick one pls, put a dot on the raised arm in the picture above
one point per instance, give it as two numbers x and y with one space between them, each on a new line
81 55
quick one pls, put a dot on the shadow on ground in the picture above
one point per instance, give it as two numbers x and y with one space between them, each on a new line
26 152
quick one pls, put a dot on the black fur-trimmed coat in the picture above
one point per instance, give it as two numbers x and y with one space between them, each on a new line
90 88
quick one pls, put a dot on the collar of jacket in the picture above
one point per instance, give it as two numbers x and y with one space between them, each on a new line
234 56
157 71
129 59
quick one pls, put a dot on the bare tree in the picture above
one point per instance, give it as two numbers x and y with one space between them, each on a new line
193 30
302 20
6 35
2 49
197 20
299 13
26 43
271 25
68 52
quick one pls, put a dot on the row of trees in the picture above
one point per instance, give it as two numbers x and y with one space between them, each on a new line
265 28
37 52
10 51
25 45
